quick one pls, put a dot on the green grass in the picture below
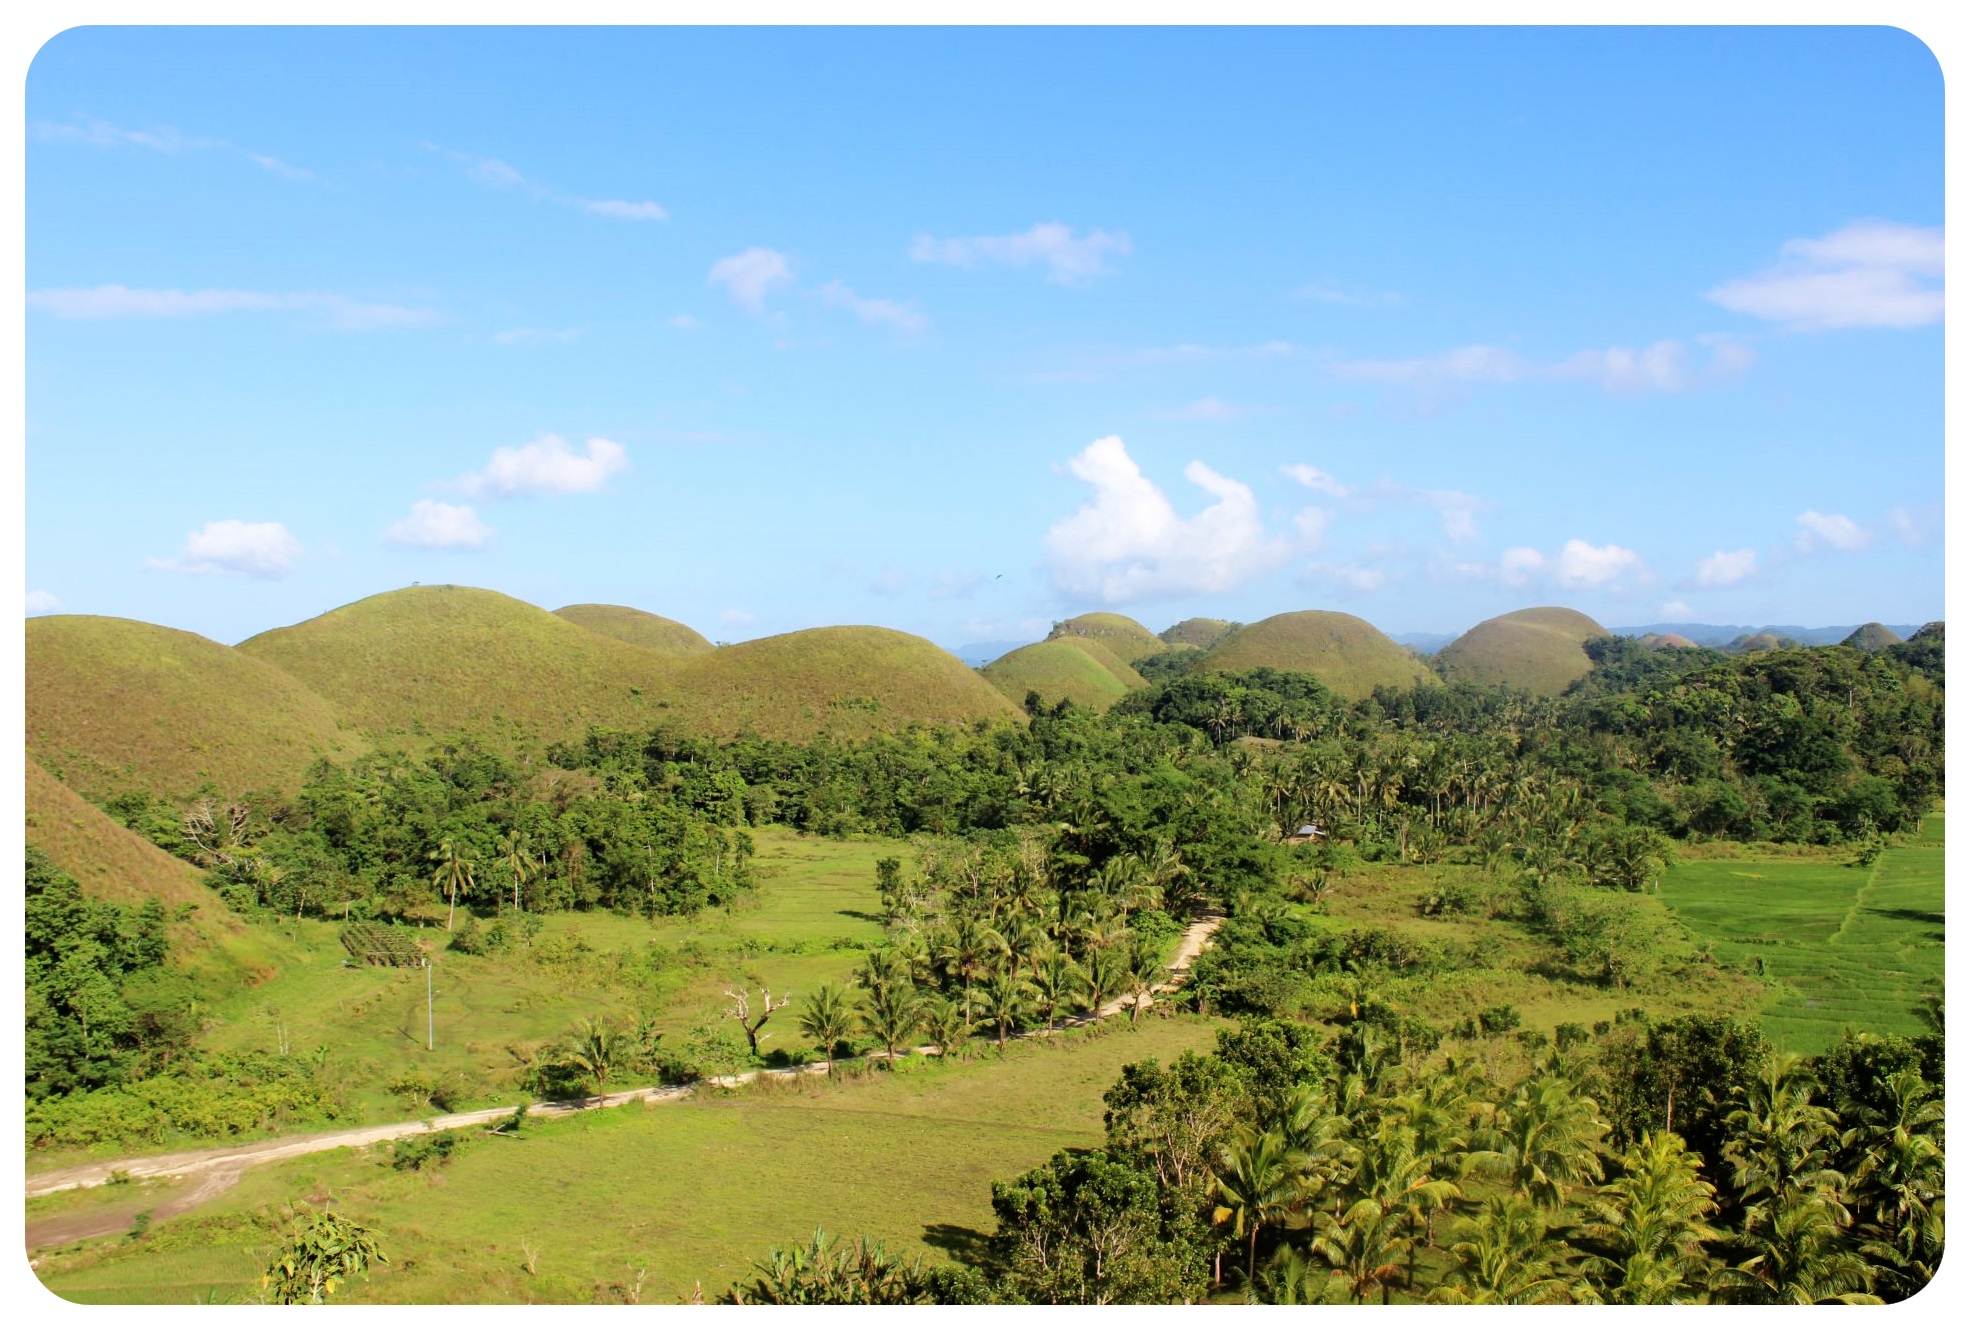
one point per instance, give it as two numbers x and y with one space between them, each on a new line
1843 946
1200 633
1122 635
638 628
1537 650
1349 655
688 1193
1082 670
816 908
116 705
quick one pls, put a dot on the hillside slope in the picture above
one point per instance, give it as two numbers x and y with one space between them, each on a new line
638 628
1081 670
115 705
1349 655
1118 632
1200 633
846 681
1538 650
442 657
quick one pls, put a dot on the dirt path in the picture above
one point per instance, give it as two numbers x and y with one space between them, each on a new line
217 1169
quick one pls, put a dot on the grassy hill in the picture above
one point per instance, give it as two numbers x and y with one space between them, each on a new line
116 705
442 657
1118 632
1872 637
638 628
1201 633
1349 655
845 681
1082 670
1537 650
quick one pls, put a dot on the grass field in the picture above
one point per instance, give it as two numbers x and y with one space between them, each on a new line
1842 946
687 1193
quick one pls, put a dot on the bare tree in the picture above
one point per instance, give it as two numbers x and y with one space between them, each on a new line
741 1011
219 836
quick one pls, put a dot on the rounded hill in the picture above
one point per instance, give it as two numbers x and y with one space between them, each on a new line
452 657
639 628
1538 650
115 705
1349 655
846 681
1872 637
1118 632
1081 670
1201 633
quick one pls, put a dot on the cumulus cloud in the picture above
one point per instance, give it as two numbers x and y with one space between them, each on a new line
1069 259
1662 367
1455 510
535 336
1315 479
42 602
1725 568
1578 566
1127 543
1869 274
1203 410
122 302
871 310
748 275
439 526
1837 531
548 466
241 549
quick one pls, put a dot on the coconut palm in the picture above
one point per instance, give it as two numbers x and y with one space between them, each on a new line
968 949
594 1050
514 853
1650 1223
1007 994
453 875
891 1015
1546 1139
828 1018
1898 1183
1057 983
1257 1184
1105 975
944 1025
1507 1254
1144 973
1798 1255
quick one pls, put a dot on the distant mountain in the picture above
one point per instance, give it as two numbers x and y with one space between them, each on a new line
1722 635
1424 642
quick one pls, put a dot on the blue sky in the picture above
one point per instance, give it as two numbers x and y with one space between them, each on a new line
963 332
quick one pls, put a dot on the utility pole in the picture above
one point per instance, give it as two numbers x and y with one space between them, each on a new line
430 1012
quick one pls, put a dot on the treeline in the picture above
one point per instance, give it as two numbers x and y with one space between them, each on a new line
1645 1162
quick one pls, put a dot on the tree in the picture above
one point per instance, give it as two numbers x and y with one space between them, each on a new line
1547 1140
828 1018
741 1011
594 1050
513 852
1257 1186
453 875
891 1014
1507 1254
1057 983
1104 976
320 1251
1006 995
1086 1228
1145 972
944 1025
1649 1223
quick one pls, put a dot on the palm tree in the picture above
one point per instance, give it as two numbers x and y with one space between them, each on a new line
594 1050
1650 1222
1057 984
1006 996
944 1025
1257 1184
827 1017
1506 1255
1363 1245
1106 975
967 950
1547 1140
1145 971
1897 1182
891 1015
513 852
452 876
1389 1172
1798 1256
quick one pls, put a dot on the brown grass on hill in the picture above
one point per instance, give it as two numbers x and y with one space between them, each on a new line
115 705
1200 633
1349 655
1118 632
1535 649
1083 670
638 628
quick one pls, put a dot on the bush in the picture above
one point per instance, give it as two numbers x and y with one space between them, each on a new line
416 1153
1501 1019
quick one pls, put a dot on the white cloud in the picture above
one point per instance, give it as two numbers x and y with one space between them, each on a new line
244 549
889 313
1866 275
1907 527
1315 479
493 172
535 336
123 302
280 168
1578 566
548 466
1344 580
1674 609
42 602
1127 543
1725 568
1203 410
1069 259
1661 367
1329 295
1829 531
439 526
748 275
626 211
95 133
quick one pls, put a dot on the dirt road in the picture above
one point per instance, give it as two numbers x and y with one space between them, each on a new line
218 1168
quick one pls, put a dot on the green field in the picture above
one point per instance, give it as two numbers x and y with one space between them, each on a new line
686 1193
1842 945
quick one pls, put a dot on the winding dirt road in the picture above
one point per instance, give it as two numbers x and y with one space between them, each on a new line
218 1168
